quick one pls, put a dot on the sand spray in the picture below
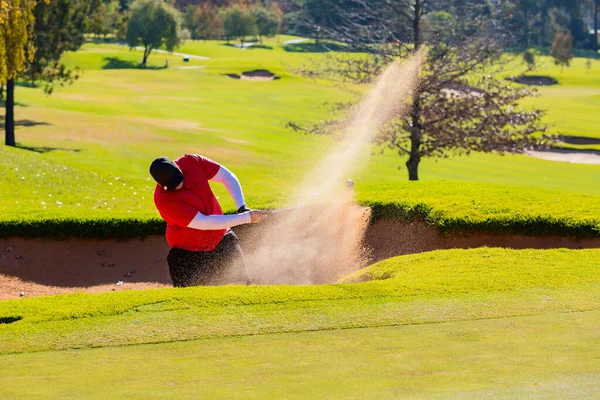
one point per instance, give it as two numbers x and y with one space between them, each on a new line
319 239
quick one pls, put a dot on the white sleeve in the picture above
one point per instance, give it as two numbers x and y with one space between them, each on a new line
216 222
232 184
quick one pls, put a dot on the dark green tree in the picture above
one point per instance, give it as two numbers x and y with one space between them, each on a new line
238 23
152 24
267 22
59 27
207 23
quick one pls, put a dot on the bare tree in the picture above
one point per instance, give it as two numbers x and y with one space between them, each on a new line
562 50
460 105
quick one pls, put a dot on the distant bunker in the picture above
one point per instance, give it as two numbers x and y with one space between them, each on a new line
533 80
255 75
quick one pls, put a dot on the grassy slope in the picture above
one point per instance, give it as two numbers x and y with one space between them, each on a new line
435 286
547 357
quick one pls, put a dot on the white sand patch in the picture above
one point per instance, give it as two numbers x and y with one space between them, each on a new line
570 156
295 41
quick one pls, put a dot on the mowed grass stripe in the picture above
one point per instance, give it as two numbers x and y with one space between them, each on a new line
174 320
548 357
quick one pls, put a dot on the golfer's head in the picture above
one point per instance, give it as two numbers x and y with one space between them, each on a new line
166 173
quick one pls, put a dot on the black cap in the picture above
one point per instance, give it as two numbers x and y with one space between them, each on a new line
166 173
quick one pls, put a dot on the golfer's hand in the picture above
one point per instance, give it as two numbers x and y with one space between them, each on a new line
257 215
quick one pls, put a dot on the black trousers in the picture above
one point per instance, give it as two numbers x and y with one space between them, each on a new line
225 264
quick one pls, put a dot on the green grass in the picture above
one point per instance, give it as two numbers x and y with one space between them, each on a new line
545 357
572 105
96 138
452 207
90 161
461 282
459 207
445 324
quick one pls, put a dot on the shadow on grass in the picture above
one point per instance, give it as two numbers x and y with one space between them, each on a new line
260 46
579 140
22 122
45 149
316 48
29 85
117 63
17 104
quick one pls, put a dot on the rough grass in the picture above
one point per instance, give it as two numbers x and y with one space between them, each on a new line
435 286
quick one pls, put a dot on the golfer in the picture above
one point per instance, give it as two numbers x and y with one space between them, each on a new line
204 251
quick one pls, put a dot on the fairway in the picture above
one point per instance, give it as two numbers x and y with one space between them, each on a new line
552 356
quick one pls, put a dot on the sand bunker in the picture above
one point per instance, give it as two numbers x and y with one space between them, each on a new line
255 75
40 267
533 80
570 156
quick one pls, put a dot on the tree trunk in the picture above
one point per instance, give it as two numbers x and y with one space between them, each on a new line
417 25
10 113
415 136
415 141
147 50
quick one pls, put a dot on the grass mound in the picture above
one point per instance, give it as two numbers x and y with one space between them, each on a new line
484 269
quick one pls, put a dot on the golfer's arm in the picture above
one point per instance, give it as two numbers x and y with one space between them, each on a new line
232 184
216 222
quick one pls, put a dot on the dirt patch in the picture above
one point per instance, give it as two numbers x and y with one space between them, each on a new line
168 123
45 267
533 80
237 141
255 75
